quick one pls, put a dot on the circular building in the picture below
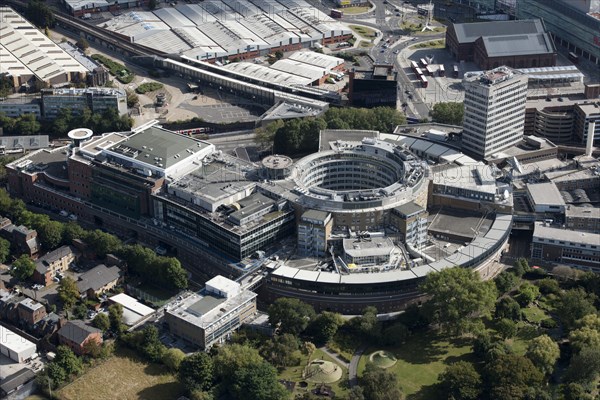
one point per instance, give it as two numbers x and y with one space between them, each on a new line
358 182
79 135
276 167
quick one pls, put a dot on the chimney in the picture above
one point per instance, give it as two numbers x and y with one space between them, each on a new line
589 146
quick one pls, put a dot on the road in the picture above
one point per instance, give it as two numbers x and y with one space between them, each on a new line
386 18
353 367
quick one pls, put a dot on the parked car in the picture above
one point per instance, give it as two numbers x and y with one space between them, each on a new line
73 217
63 213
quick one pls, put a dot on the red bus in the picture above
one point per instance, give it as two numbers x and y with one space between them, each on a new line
441 71
336 13
424 82
429 70
423 62
414 66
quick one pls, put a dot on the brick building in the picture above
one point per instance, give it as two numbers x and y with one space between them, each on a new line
516 44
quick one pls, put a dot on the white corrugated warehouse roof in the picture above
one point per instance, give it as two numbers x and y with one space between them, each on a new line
317 59
267 74
23 42
300 69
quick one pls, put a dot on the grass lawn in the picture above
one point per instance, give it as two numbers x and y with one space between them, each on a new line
124 376
433 44
355 10
294 374
525 333
365 44
534 314
421 360
363 31
344 345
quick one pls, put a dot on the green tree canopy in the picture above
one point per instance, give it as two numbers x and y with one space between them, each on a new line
282 350
292 315
461 381
380 384
507 307
511 376
68 361
233 357
23 267
456 295
506 328
4 250
448 113
527 293
584 366
40 14
574 304
51 234
101 322
325 326
506 281
258 382
543 353
68 292
196 372
115 315
172 358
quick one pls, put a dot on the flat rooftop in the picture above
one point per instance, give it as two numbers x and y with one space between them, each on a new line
159 146
582 212
204 309
468 224
563 235
545 193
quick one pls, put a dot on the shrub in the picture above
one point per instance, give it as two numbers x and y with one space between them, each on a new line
148 87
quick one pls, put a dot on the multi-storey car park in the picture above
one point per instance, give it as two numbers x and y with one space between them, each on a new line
361 200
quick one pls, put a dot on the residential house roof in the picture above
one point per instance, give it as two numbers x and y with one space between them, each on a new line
44 261
77 331
98 277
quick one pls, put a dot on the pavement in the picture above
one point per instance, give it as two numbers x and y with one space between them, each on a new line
335 357
353 367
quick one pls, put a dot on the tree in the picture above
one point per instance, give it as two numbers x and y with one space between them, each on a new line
4 250
506 328
395 335
232 358
461 381
527 293
51 234
172 358
152 4
82 43
511 376
80 311
456 295
564 272
200 395
265 135
448 113
543 353
196 372
151 345
548 286
325 326
573 305
292 315
174 275
23 267
584 337
575 391
68 292
506 281
584 366
282 351
356 393
68 361
258 382
56 374
40 14
132 98
101 322
102 243
507 307
27 124
380 384
115 315
72 231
